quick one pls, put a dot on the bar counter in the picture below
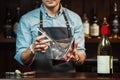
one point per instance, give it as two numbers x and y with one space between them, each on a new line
62 76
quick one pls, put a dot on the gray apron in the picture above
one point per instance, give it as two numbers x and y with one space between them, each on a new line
44 62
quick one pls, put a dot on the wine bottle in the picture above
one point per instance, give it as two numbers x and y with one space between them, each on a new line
104 54
17 17
94 28
86 25
115 22
8 26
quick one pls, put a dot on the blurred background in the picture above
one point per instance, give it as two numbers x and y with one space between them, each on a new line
91 11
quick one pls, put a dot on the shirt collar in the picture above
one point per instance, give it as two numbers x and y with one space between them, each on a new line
46 14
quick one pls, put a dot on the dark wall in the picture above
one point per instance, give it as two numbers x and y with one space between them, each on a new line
26 5
79 6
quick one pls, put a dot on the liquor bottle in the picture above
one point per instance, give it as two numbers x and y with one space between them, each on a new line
104 54
17 17
94 28
86 25
115 22
8 26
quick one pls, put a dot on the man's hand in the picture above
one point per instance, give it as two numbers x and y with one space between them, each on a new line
73 55
41 43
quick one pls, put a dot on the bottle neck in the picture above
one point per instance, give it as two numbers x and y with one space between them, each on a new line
104 36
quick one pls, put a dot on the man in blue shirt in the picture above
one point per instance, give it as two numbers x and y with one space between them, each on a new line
33 48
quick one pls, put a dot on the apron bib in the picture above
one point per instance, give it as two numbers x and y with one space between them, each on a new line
51 60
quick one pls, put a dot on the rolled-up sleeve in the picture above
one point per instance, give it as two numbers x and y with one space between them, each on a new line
78 33
23 39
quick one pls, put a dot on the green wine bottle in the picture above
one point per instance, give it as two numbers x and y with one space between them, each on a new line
104 54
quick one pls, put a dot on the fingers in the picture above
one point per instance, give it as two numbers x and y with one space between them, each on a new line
75 56
75 48
41 43
41 47
71 53
41 37
68 57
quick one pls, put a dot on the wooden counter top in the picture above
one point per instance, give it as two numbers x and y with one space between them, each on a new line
62 76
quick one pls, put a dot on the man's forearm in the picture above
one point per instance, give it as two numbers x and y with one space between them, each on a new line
27 57
82 57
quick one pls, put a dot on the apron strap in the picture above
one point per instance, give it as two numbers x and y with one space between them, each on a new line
41 20
68 26
66 20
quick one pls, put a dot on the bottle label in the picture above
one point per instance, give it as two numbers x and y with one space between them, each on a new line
104 64
104 29
15 27
8 30
115 26
86 28
94 30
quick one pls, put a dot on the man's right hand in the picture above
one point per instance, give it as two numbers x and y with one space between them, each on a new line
41 43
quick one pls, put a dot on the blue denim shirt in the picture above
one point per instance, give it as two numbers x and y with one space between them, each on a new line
29 22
